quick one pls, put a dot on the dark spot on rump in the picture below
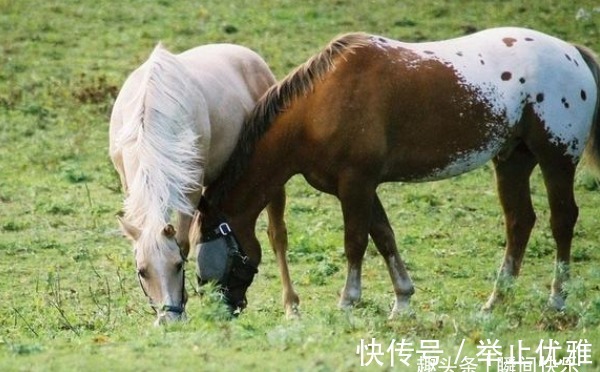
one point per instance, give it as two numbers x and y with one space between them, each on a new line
509 41
522 80
481 58
583 95
506 76
428 52
575 144
528 39
460 54
564 102
382 40
539 98
576 63
568 57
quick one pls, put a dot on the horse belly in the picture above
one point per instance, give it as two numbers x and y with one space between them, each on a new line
456 128
463 162
438 166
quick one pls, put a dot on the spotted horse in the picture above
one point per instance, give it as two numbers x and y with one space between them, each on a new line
368 109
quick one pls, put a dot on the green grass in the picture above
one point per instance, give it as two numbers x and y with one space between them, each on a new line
70 299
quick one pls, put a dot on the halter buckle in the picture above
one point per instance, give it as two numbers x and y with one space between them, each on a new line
224 229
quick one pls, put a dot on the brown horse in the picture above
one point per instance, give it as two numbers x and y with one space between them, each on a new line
368 110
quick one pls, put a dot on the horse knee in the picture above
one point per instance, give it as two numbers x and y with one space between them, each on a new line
277 236
523 222
529 220
562 224
565 219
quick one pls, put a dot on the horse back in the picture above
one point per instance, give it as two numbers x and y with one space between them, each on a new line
434 110
238 67
232 78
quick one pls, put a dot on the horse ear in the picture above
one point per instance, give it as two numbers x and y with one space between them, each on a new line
169 231
129 230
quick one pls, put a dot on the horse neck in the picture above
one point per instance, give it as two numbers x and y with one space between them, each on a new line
271 165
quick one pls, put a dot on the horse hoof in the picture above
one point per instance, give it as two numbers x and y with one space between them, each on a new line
488 307
347 304
495 298
401 306
556 302
405 312
292 313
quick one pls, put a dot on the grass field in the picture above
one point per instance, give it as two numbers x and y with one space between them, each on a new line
70 298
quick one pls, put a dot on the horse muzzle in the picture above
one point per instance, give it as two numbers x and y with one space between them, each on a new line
167 316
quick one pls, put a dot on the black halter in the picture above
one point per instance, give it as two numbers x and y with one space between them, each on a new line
241 271
238 272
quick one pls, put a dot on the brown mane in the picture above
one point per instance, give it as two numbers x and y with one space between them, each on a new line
280 96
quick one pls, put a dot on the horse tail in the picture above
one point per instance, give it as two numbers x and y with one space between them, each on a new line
592 149
167 141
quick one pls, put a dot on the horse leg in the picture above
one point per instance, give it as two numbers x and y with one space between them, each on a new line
184 222
356 198
559 175
383 237
512 179
279 242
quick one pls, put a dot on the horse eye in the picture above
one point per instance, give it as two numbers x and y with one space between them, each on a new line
143 273
179 266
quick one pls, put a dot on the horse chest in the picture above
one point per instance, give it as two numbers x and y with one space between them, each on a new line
322 178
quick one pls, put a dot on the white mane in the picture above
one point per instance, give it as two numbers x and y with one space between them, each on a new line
160 132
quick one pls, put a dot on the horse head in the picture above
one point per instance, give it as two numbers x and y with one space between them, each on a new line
221 258
160 270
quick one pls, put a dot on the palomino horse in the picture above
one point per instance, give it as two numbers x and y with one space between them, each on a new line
368 110
173 126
